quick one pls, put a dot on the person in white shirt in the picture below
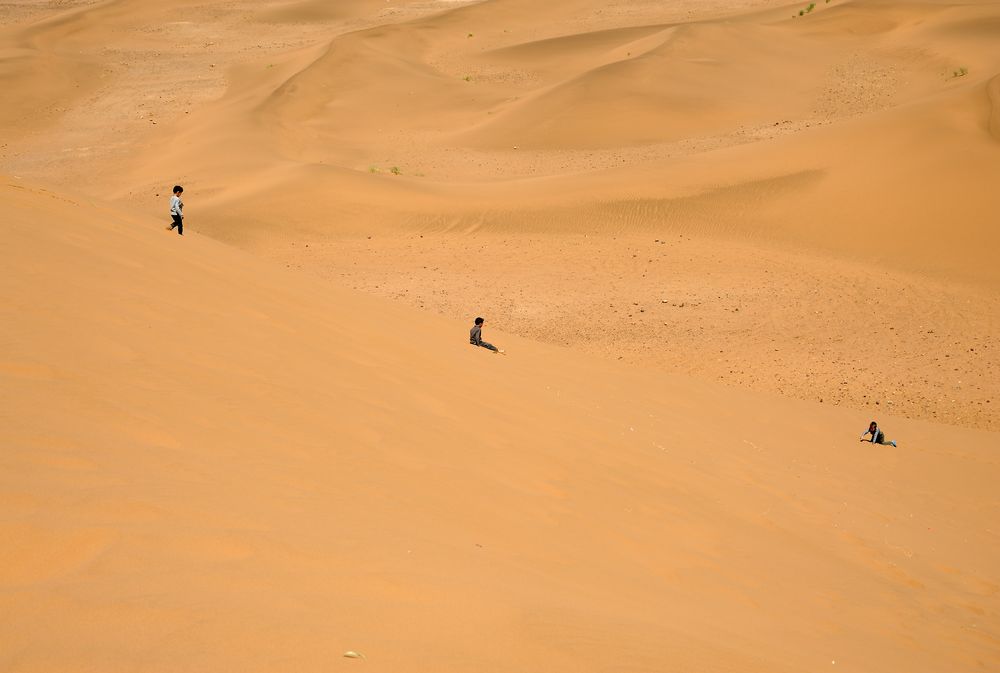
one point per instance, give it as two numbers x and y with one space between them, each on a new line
177 210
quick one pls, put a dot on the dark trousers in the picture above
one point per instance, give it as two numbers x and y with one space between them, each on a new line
179 223
488 345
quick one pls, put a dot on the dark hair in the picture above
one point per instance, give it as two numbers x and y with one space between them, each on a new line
479 321
178 188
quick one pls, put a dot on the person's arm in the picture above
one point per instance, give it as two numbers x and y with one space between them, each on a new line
863 435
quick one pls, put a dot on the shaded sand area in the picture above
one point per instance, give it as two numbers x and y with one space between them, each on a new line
824 183
212 463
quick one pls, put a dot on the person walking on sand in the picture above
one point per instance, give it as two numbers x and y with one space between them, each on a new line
476 337
177 210
878 437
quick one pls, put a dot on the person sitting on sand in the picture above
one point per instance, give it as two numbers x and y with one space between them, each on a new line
177 210
878 437
476 337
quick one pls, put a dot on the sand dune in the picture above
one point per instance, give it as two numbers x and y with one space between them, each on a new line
863 131
993 91
682 118
213 463
664 92
716 238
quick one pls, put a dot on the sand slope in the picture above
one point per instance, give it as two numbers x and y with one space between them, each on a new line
210 463
885 150
655 102
853 148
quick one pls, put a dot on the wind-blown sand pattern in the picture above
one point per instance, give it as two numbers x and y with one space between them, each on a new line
716 239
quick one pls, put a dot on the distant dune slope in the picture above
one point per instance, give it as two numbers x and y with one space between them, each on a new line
485 118
493 112
212 464
993 91
443 91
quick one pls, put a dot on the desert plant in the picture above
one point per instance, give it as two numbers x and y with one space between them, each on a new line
961 72
395 170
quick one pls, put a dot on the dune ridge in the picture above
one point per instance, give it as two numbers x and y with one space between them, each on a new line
212 462
993 91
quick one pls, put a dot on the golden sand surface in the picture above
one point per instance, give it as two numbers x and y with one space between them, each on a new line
831 175
715 240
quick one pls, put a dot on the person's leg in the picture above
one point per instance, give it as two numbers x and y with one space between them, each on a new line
490 346
180 226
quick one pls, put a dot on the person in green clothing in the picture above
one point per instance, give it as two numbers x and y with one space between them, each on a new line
878 437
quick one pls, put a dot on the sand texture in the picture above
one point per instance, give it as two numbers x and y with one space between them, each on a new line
715 240
850 155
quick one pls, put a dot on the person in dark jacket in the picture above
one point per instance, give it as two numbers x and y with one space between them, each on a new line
476 337
878 437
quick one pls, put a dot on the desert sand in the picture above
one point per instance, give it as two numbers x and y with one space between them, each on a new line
716 239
